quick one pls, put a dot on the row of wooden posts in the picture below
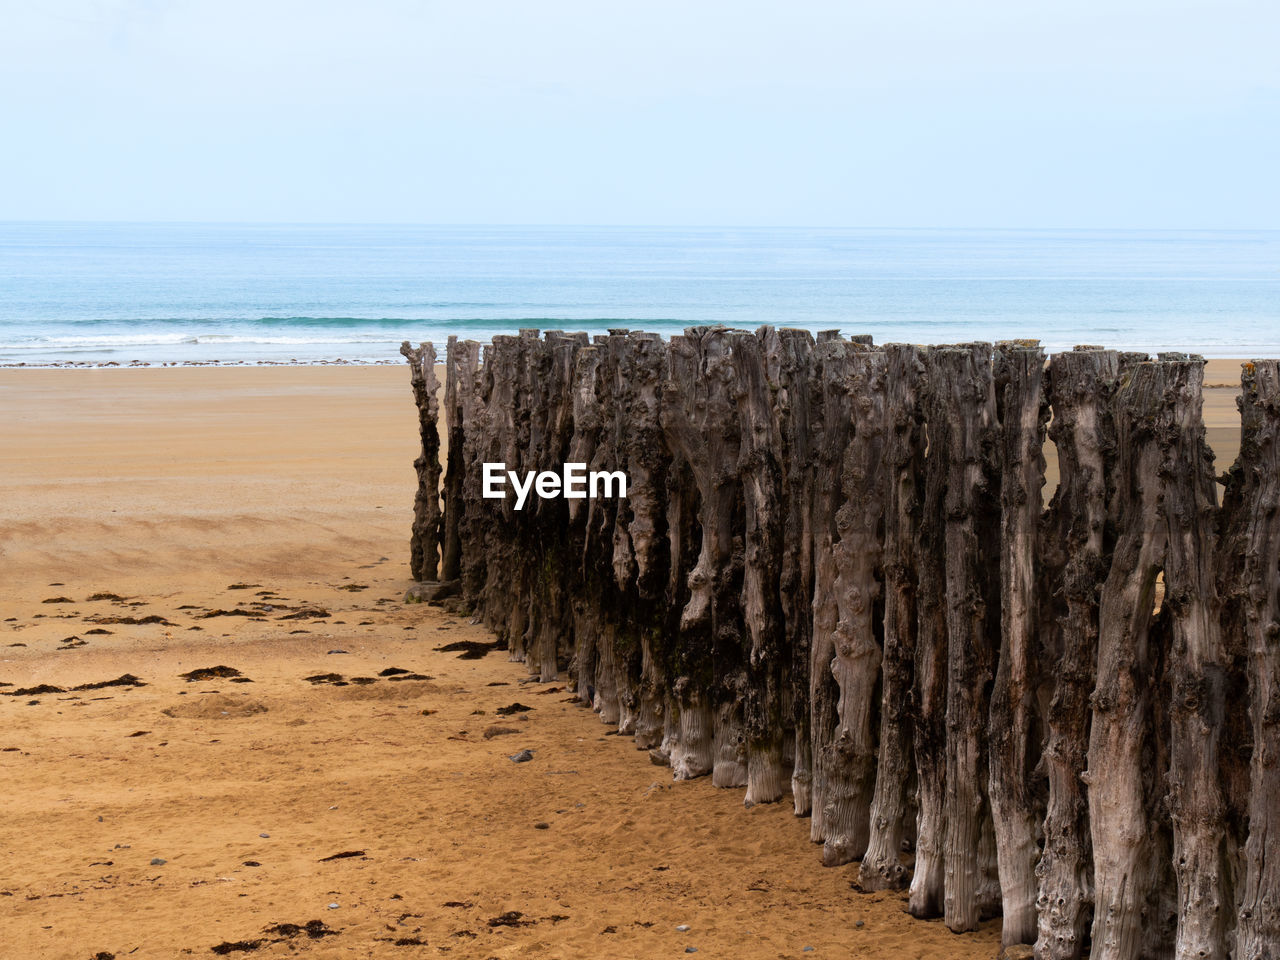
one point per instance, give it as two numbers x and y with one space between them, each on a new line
835 575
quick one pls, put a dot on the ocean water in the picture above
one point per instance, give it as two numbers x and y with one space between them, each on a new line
102 292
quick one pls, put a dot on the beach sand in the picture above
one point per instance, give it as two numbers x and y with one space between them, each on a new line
182 816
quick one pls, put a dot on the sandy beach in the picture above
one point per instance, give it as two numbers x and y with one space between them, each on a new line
344 788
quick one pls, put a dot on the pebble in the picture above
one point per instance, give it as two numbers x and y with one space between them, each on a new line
542 825
690 949
523 756
859 923
683 927
265 836
158 861
333 906
331 652
807 950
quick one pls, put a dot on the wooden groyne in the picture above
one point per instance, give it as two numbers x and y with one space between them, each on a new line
834 577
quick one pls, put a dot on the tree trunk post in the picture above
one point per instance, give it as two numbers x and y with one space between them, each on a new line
1014 729
882 867
1252 505
1081 383
972 602
851 758
1124 778
424 542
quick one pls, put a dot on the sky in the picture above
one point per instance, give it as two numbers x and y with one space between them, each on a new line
860 113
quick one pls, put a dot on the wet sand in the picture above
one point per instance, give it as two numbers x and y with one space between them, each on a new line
238 505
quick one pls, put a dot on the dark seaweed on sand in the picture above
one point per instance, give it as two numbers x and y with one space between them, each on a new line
471 649
306 613
512 918
124 680
210 673
133 621
344 855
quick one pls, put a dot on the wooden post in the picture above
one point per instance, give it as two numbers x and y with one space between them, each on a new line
424 542
1014 728
836 425
1125 774
790 358
1252 507
930 696
462 361
761 478
972 602
1081 383
851 759
882 867
1203 853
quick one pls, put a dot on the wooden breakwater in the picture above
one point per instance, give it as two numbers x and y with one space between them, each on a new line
834 576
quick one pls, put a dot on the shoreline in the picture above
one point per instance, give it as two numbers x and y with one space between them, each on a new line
140 364
1216 367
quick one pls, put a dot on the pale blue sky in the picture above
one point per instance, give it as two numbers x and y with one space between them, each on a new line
1142 113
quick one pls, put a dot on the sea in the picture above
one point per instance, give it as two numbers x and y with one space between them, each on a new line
310 293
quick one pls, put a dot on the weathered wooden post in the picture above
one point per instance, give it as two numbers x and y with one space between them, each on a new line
462 362
929 739
831 368
972 602
701 427
851 760
548 520
789 355
882 866
1125 769
1203 848
1081 383
642 524
1014 728
587 425
424 541
761 478
608 551
1252 508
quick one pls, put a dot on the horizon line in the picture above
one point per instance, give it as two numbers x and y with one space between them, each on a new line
632 226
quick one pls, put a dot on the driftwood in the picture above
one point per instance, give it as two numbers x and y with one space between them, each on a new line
833 572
